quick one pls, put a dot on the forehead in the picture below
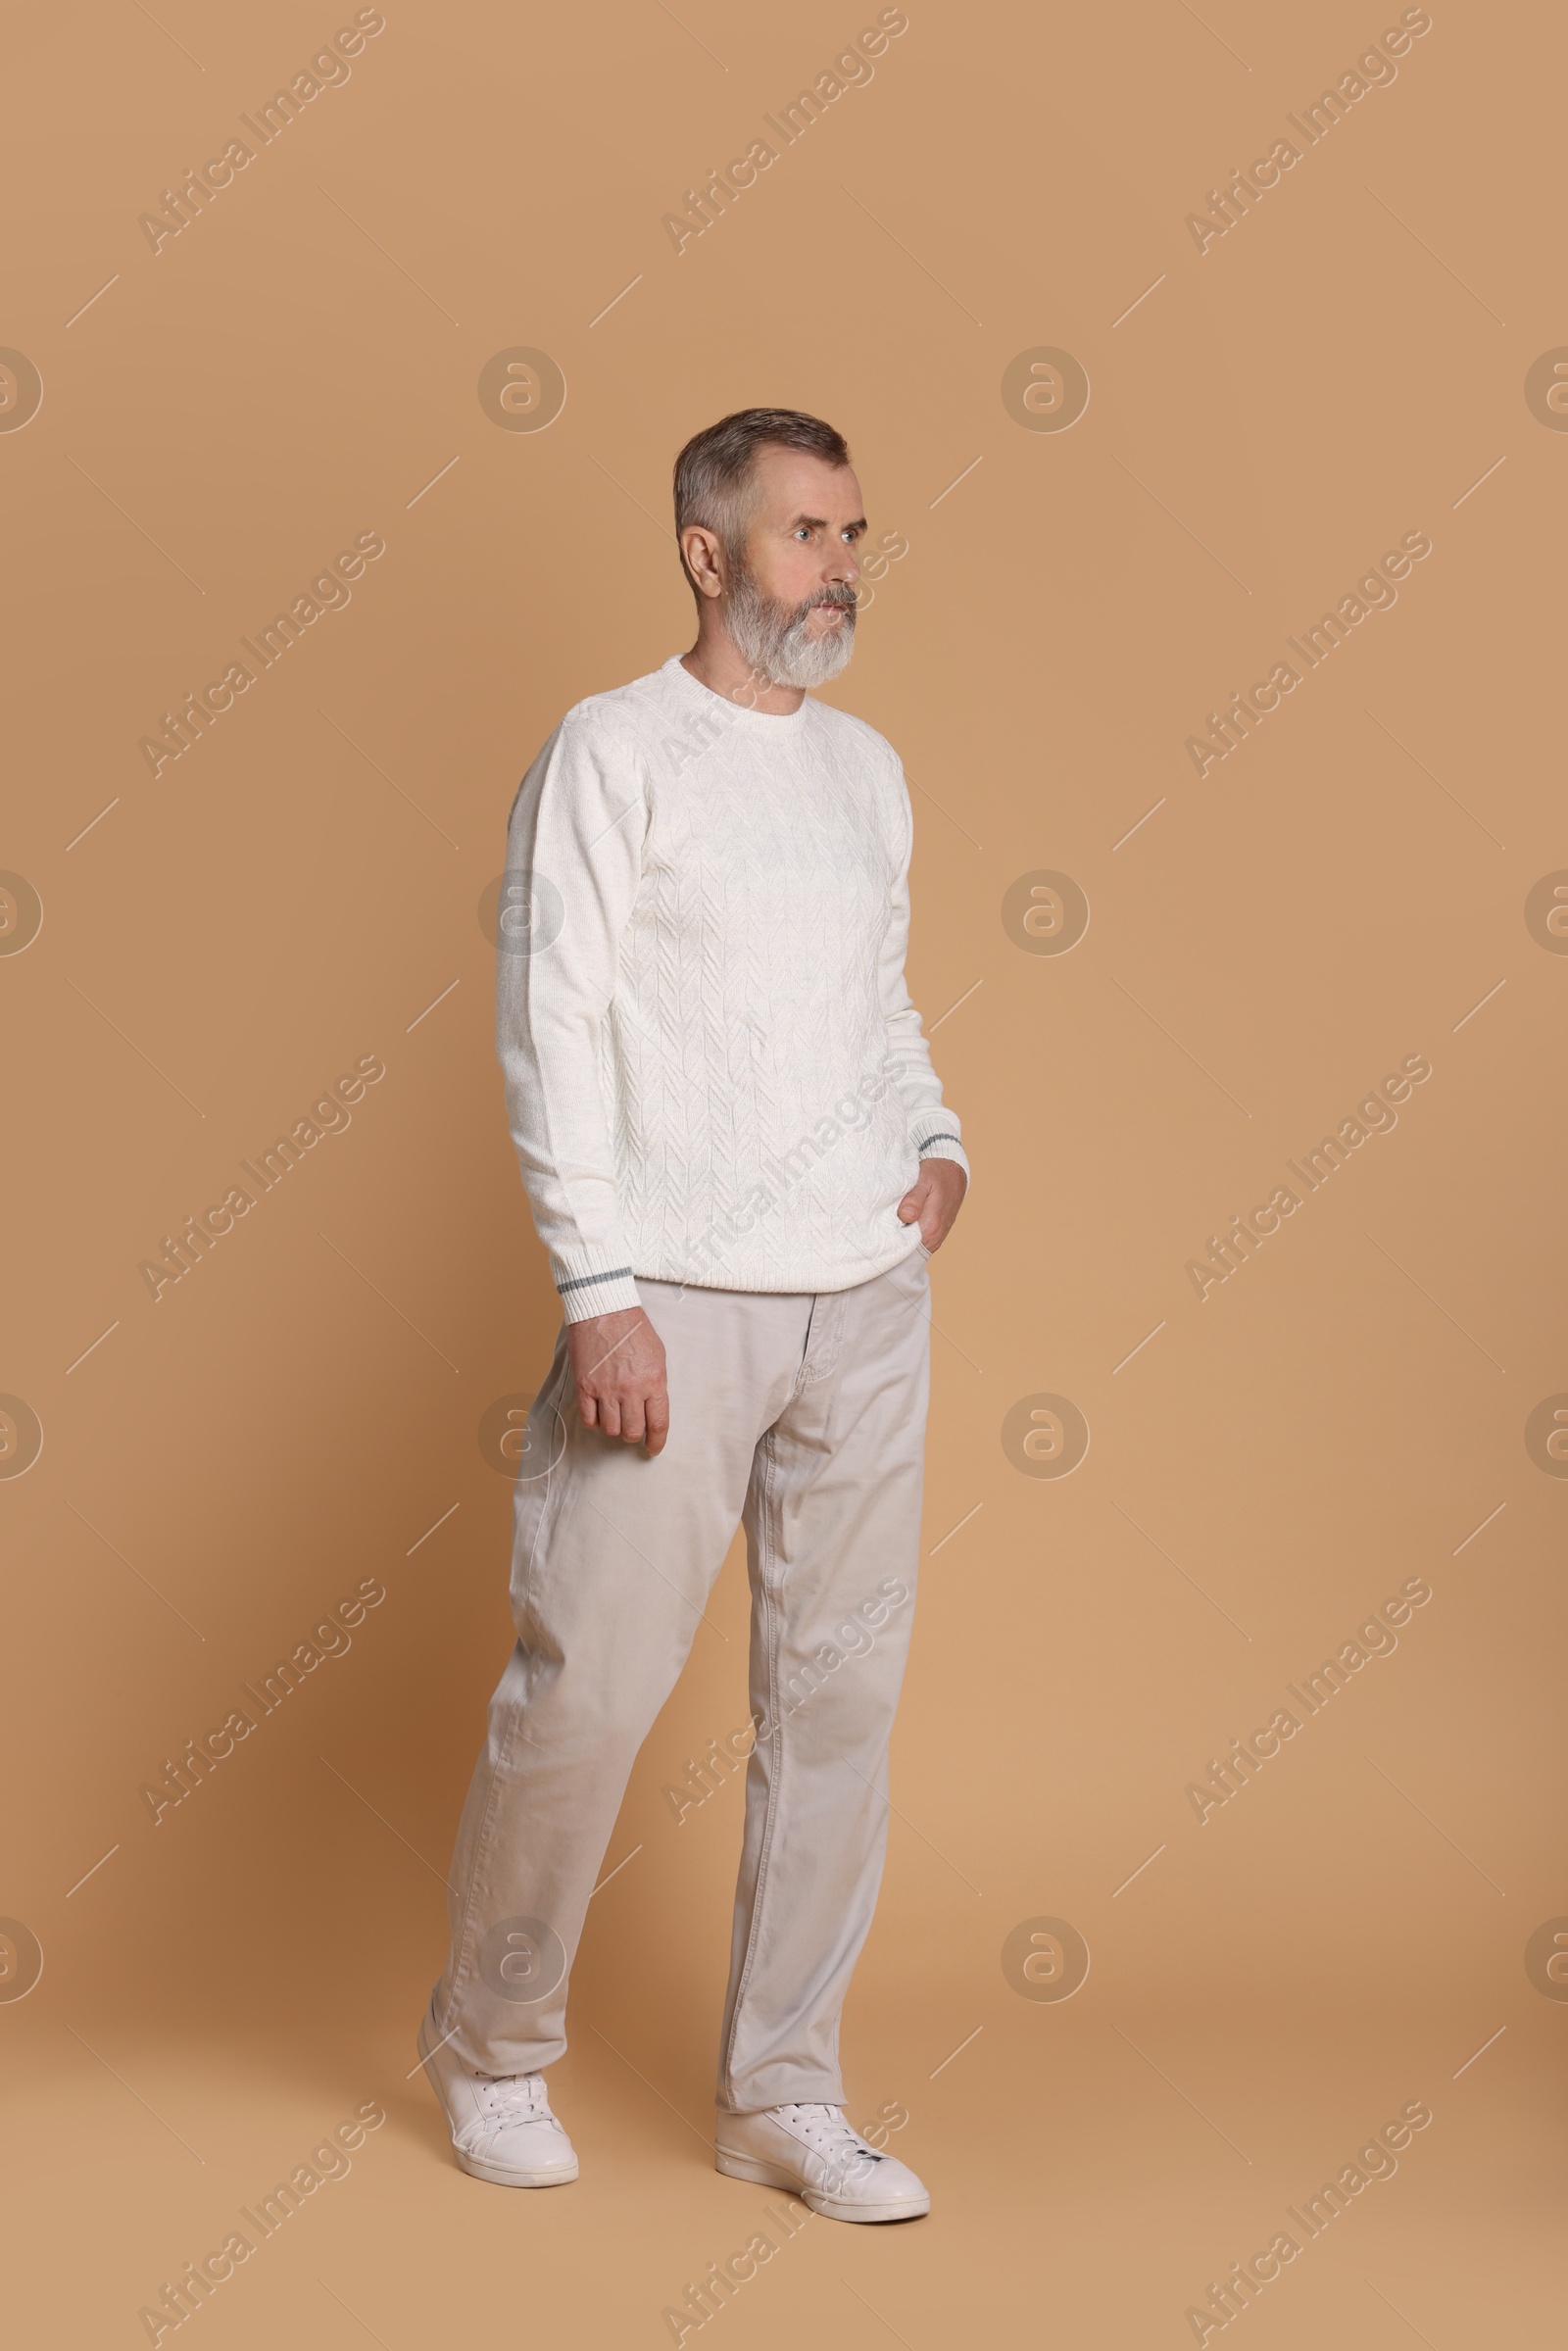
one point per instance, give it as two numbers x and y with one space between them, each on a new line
791 481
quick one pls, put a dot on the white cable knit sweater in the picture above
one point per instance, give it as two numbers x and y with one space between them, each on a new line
714 1071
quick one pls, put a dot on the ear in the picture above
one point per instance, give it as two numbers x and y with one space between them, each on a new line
699 548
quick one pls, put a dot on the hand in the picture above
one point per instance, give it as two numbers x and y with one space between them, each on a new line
934 1199
617 1367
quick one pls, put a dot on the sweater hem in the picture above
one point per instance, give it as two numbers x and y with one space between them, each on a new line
823 1282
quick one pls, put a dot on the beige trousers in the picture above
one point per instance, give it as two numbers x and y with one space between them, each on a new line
803 1417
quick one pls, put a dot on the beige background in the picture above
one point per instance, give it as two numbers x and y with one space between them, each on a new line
299 365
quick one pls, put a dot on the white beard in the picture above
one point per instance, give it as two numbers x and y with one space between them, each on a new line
772 636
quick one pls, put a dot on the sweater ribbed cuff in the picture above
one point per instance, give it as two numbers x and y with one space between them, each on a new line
942 1143
591 1282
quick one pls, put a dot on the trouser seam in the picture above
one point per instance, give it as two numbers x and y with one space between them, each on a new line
484 1839
775 1782
463 1973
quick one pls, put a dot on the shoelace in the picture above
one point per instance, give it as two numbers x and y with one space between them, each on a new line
518 2098
824 2129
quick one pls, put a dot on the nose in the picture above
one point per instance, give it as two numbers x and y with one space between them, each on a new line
844 565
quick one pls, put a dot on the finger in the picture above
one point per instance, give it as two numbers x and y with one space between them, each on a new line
657 1414
631 1421
588 1410
610 1415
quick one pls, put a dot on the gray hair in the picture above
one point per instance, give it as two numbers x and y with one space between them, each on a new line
713 471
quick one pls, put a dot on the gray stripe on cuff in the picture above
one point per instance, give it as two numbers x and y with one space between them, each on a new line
585 1281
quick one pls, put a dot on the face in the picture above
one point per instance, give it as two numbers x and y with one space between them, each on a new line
788 591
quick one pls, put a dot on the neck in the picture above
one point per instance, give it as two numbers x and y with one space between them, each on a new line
715 661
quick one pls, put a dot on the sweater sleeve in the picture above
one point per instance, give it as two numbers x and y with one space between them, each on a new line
573 863
933 1129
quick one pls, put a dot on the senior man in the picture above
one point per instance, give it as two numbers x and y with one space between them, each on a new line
738 1157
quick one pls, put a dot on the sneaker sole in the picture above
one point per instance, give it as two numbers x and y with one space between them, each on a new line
832 2208
560 2176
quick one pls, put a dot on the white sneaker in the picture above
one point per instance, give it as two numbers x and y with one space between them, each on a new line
831 2168
502 2127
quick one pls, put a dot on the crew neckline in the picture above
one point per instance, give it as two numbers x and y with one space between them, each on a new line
774 723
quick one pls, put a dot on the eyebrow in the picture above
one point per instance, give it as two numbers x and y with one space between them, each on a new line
819 522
